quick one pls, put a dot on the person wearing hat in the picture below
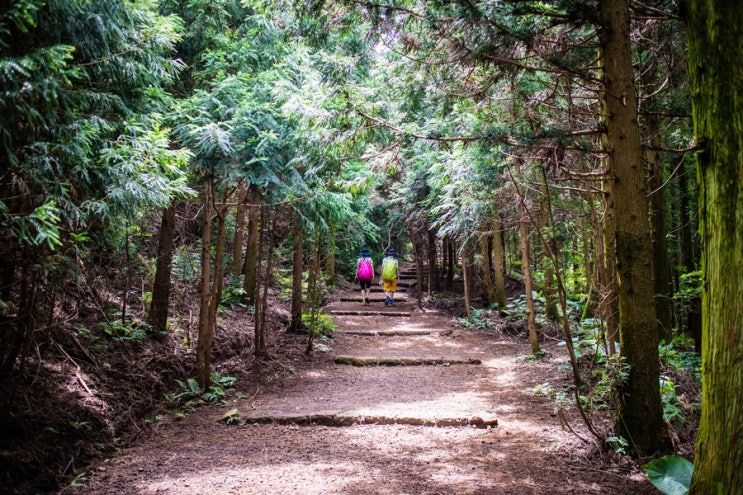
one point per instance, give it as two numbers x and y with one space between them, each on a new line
365 274
390 277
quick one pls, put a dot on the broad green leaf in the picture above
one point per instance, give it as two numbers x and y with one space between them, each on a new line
670 474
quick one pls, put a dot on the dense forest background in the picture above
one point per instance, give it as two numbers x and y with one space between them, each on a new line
164 162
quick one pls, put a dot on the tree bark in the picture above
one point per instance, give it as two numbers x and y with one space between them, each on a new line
218 278
204 344
450 253
486 272
499 264
418 266
263 281
433 276
158 314
220 249
237 244
610 290
251 249
661 264
466 281
715 28
313 290
330 263
640 418
528 289
689 259
550 292
295 324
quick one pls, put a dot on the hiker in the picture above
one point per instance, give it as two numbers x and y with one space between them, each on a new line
390 277
365 274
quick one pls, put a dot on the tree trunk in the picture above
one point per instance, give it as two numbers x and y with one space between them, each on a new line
204 344
488 291
296 326
237 245
640 418
158 314
466 280
661 264
218 278
550 292
450 253
220 249
688 255
330 257
499 264
263 282
313 290
715 28
528 289
251 249
433 276
418 266
610 295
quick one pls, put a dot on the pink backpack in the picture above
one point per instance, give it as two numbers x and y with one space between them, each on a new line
366 272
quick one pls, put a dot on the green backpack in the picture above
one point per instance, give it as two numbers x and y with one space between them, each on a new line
389 271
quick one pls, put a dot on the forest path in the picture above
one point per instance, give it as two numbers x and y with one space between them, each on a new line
381 430
453 390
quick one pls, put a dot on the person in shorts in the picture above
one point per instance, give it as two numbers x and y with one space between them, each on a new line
390 277
365 274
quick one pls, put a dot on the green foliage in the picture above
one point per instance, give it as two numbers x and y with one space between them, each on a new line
143 170
40 227
516 309
618 444
671 410
689 292
481 320
233 295
683 365
79 480
219 388
318 323
130 331
670 474
676 356
190 391
186 264
589 340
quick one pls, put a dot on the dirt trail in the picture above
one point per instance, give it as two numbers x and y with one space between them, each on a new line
470 428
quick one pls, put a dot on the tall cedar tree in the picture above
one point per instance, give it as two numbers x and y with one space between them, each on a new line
715 31
640 418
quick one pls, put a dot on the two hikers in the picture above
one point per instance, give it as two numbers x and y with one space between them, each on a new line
389 279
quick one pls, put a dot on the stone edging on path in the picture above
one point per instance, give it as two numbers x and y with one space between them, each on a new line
402 361
340 419
384 333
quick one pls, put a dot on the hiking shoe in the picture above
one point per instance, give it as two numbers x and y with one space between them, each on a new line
392 303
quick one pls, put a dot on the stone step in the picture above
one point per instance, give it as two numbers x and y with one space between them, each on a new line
372 299
403 361
362 312
332 418
385 333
